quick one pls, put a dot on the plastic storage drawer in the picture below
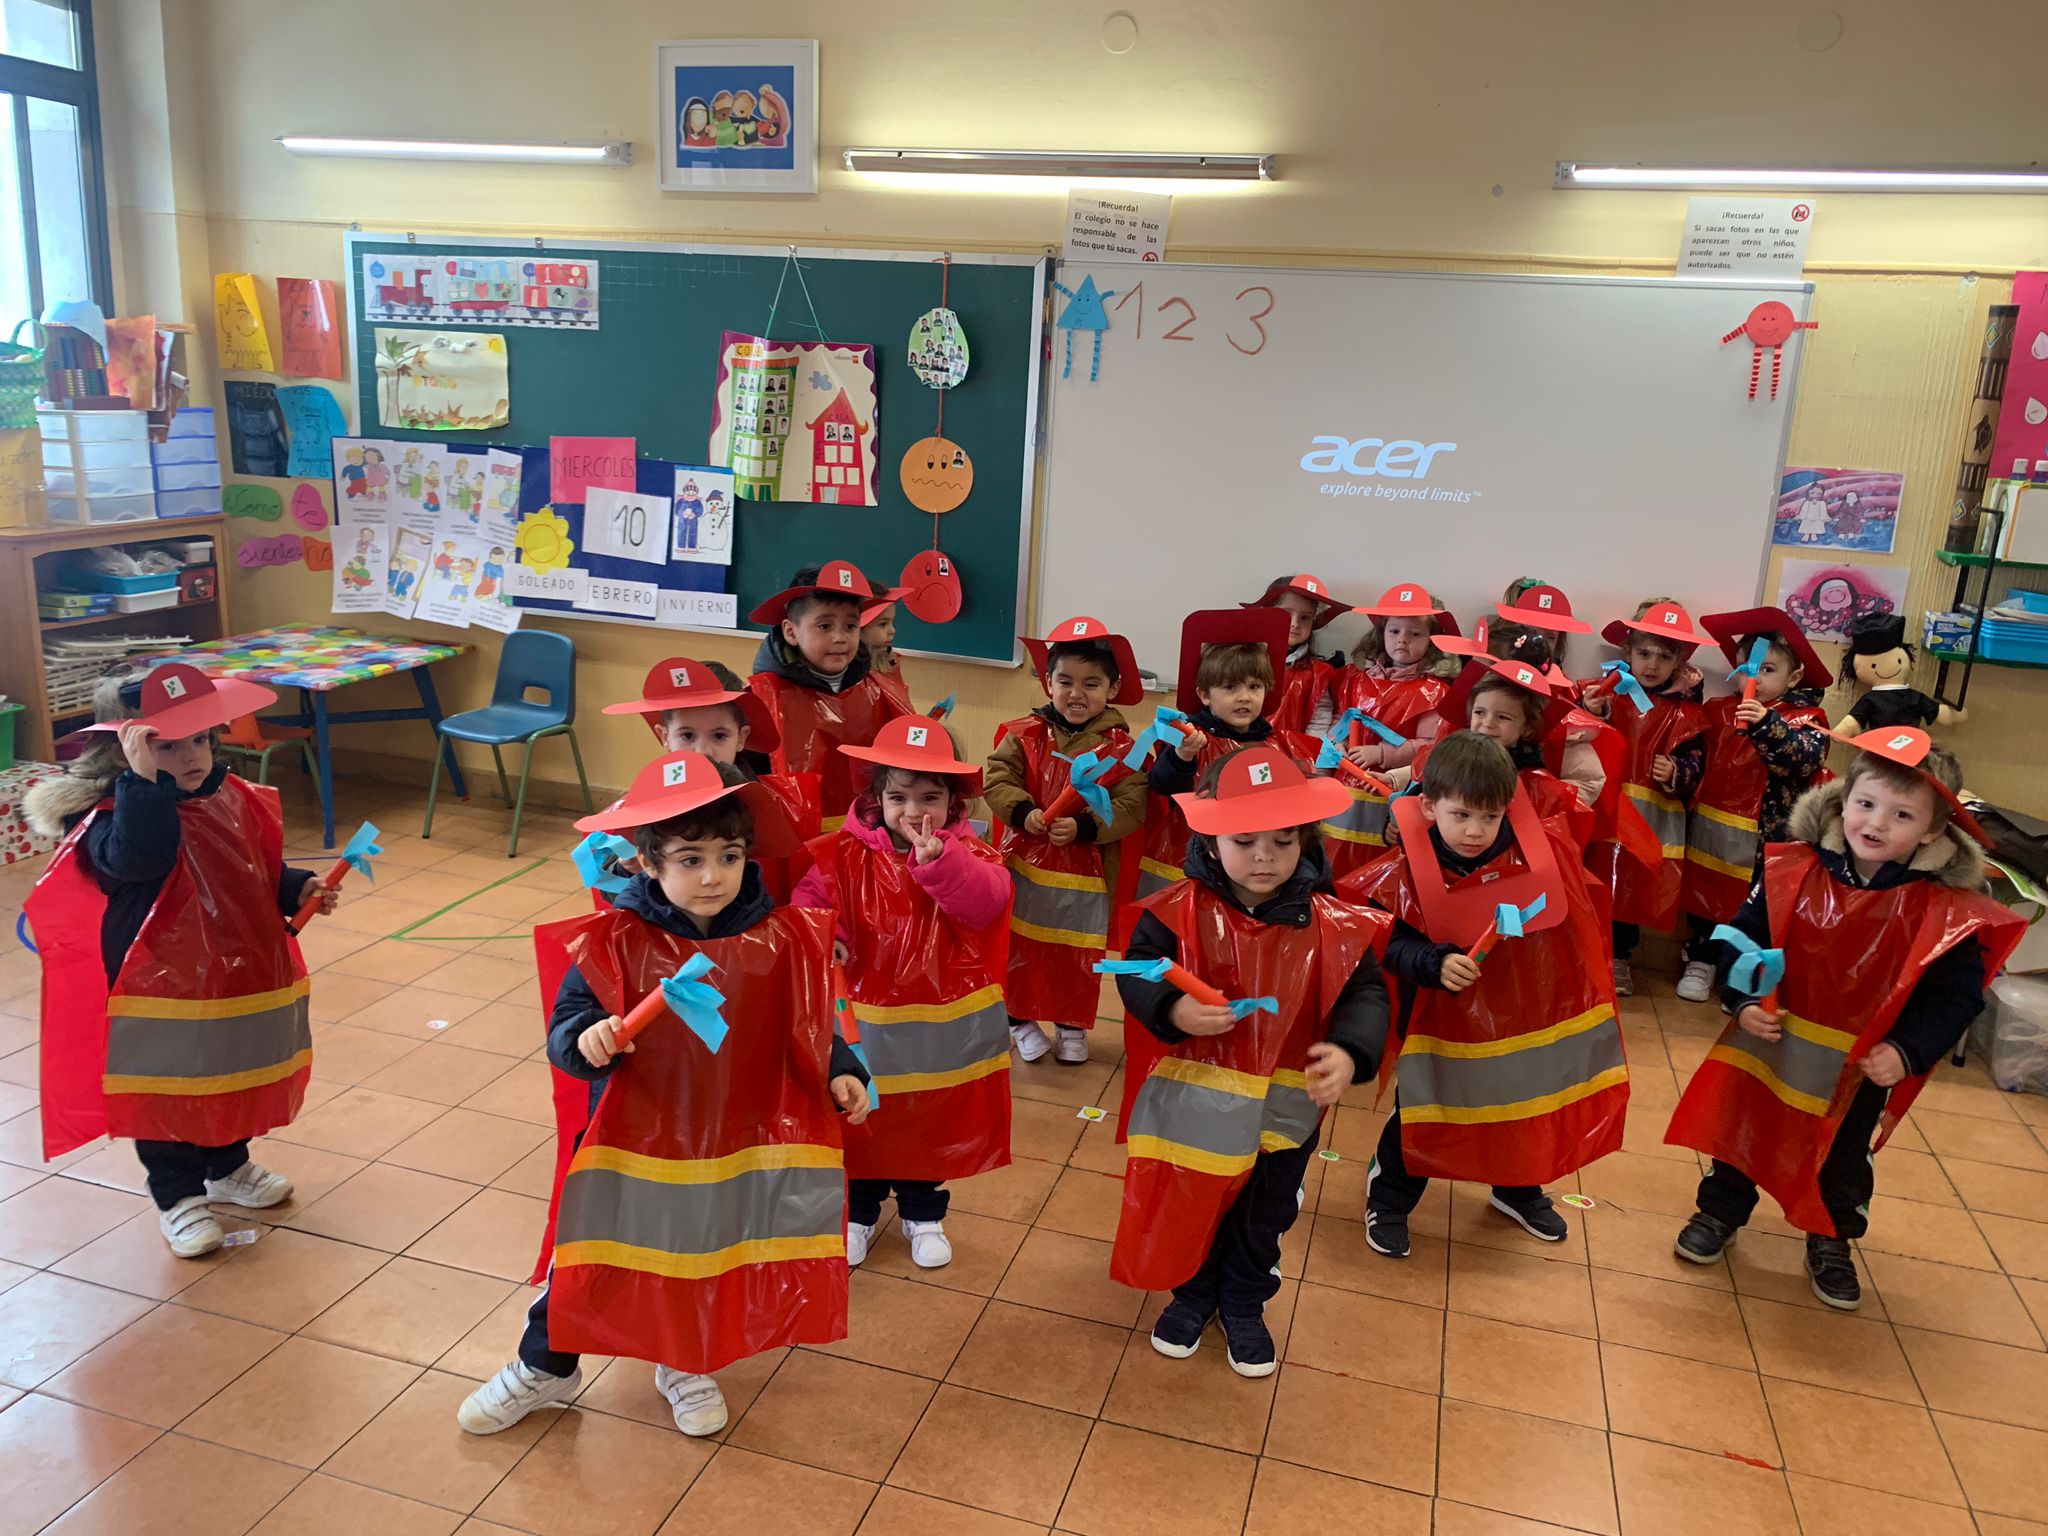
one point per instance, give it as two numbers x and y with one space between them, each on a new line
185 450
94 426
188 477
100 581
195 503
101 509
121 480
63 453
193 421
2013 640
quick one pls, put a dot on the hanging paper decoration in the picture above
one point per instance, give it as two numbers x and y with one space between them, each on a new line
1084 312
1770 325
931 583
938 349
937 474
795 420
238 317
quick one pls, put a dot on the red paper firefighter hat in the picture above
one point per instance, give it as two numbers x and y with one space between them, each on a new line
1314 588
1730 628
1667 621
1544 607
1458 645
1908 745
676 682
1247 624
920 744
883 600
1262 790
1081 630
180 700
1411 600
1457 706
836 578
689 781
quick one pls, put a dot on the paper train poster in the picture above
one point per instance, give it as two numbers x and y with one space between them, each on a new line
481 290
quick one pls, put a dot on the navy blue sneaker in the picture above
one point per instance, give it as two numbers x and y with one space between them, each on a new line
1535 1215
1249 1346
1178 1333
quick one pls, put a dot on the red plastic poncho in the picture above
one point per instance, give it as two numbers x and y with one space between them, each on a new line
205 1037
1401 704
1648 894
1304 685
1722 840
811 723
1852 959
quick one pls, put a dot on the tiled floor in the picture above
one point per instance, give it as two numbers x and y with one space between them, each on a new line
307 1382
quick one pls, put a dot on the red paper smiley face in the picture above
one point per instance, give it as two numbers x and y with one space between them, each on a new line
932 587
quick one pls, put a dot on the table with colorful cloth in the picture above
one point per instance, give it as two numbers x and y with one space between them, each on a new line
316 659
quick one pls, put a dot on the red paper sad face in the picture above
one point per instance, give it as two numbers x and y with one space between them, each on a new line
931 583
937 474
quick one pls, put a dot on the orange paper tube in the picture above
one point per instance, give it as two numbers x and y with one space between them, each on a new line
1348 770
1068 801
645 1012
310 908
1196 988
1355 736
1478 952
1749 690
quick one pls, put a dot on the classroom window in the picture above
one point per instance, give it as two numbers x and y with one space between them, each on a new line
53 220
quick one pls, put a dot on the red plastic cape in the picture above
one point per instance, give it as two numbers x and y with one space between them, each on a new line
1304 685
928 996
1520 1078
1401 704
1647 893
1731 791
813 722
1852 959
214 944
1207 1106
703 1219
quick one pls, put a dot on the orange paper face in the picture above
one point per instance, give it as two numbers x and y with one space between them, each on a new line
937 474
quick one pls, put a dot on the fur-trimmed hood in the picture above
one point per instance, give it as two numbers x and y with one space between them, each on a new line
1953 859
53 804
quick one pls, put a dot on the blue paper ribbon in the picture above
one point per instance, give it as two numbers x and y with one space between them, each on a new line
1087 770
360 849
591 856
1627 686
1168 728
1340 730
943 708
1757 654
1756 971
696 1002
1155 970
1511 919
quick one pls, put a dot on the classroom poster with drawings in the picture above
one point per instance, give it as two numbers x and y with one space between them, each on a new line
499 521
402 575
490 602
481 290
362 565
362 478
704 513
442 381
467 488
796 420
418 483
450 582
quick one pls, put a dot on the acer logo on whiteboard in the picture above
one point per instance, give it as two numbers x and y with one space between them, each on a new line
1398 459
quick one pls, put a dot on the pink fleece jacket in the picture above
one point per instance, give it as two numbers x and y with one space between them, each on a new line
971 891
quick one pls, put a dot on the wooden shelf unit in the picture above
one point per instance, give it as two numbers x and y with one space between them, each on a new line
32 555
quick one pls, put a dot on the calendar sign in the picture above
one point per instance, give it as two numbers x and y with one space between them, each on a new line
627 525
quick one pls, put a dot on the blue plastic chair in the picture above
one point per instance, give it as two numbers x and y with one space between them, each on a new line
533 660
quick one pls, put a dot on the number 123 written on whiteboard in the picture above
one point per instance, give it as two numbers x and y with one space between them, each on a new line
1245 330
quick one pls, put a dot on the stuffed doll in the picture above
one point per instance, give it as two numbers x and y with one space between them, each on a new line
1882 661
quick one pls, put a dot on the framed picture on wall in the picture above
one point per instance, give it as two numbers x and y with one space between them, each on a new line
738 116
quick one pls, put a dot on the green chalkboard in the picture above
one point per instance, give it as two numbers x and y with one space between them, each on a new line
649 368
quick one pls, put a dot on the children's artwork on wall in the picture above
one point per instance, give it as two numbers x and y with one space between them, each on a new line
362 477
502 473
238 318
272 549
796 420
575 464
738 116
402 574
1838 509
260 502
937 474
309 511
313 420
360 574
543 541
704 514
938 349
482 290
309 327
450 582
419 486
256 440
931 583
319 554
491 605
440 381
1085 311
1825 599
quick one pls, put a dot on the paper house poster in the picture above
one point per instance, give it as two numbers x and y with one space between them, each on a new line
796 420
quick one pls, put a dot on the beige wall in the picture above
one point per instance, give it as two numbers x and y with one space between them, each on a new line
1407 135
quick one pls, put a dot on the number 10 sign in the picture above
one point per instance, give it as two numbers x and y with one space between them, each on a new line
629 525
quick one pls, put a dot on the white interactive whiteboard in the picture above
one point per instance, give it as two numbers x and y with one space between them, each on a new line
1374 427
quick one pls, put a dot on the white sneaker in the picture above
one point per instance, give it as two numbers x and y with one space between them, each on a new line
1072 1049
928 1246
252 1185
858 1236
190 1229
1697 984
1032 1042
698 1405
512 1394
1624 982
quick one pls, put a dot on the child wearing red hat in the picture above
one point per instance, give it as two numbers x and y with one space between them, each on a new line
878 644
1666 756
1231 1097
1868 943
175 1004
922 931
701 1216
1510 1069
1766 744
819 687
1064 869
1539 608
1308 682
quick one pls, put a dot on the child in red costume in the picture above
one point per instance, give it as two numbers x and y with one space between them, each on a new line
1064 869
1541 609
820 690
702 1217
174 999
923 934
1666 756
878 644
1399 678
1875 921
1228 1113
1308 682
1763 753
1510 1069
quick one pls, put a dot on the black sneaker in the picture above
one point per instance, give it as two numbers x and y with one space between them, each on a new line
1704 1239
1386 1232
1536 1216
1833 1272
1178 1333
1249 1346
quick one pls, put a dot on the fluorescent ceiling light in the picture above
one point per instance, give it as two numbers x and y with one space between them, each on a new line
1585 175
457 149
1061 163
